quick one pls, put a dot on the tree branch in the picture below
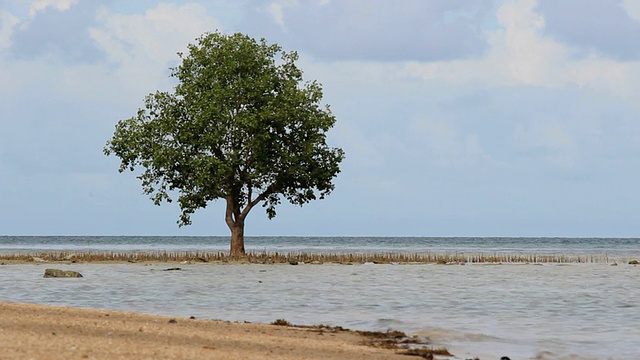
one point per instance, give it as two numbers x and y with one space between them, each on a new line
250 204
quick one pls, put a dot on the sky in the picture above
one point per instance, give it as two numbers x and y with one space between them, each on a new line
458 118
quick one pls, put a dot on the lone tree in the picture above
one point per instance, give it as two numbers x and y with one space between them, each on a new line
241 125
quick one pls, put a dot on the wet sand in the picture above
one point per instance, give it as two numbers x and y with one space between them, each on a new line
30 331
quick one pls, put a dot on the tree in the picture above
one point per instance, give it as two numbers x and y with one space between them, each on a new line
241 125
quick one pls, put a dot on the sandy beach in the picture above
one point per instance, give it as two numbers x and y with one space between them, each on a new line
30 331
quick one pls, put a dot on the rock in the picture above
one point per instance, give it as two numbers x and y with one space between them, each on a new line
173 269
38 259
293 262
633 262
57 273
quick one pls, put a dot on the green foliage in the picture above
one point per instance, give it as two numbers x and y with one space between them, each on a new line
241 125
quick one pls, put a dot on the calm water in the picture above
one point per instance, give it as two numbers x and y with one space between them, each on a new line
624 247
576 311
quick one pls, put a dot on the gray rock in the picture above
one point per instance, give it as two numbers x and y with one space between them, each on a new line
634 262
57 273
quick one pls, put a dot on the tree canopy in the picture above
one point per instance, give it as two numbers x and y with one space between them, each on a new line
241 125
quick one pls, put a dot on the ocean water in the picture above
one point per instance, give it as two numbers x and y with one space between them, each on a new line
613 247
525 311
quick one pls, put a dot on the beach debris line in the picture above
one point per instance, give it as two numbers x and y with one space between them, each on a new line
390 339
281 322
427 353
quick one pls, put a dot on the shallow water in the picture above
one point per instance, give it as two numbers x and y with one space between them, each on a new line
612 248
577 311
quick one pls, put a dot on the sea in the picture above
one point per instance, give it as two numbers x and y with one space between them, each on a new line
477 310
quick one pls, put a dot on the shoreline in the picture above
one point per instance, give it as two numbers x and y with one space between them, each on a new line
53 332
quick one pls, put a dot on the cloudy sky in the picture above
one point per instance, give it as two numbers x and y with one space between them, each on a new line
458 118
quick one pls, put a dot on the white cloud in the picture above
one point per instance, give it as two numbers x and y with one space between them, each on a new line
521 61
143 47
632 7
140 48
529 59
153 37
519 54
60 5
521 57
7 23
276 10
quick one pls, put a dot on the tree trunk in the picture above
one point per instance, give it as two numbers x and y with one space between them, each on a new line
237 240
235 222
